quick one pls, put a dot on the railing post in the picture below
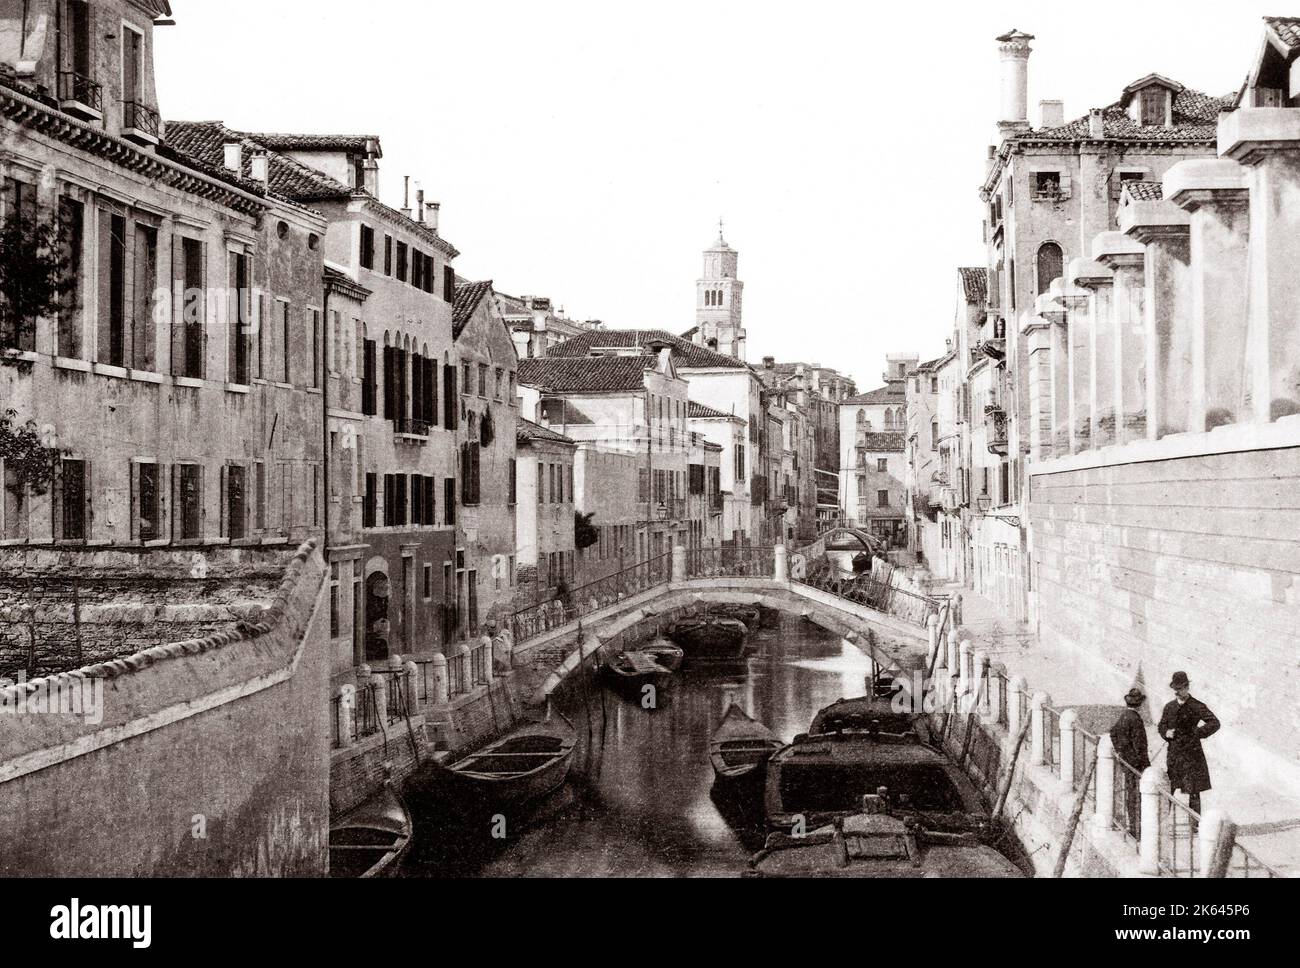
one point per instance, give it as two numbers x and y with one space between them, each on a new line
1067 725
346 715
381 699
984 700
1218 834
932 632
1103 817
461 679
438 691
1037 706
1019 688
966 657
412 691
781 563
954 656
1151 786
485 643
679 563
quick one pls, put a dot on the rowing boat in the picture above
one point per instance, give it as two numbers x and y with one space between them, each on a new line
633 671
665 653
369 841
708 636
528 762
741 746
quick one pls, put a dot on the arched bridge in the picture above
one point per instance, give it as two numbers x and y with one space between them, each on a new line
889 624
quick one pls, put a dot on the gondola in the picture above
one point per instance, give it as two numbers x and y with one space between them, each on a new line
528 762
370 840
665 653
741 746
632 671
709 637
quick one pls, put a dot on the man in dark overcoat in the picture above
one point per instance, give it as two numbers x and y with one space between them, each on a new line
1128 737
1184 723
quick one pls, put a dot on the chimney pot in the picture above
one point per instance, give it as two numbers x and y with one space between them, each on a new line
419 205
234 156
1096 124
432 214
261 167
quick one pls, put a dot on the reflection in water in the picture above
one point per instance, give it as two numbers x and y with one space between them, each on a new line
640 800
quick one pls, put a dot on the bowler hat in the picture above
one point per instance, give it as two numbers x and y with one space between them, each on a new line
1179 681
1134 697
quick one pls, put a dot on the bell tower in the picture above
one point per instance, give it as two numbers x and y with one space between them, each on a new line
718 305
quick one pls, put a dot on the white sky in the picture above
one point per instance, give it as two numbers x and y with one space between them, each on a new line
585 150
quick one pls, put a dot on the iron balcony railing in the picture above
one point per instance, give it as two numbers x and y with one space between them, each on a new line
138 117
82 90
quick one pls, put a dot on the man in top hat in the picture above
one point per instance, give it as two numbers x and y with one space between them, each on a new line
1184 723
1129 738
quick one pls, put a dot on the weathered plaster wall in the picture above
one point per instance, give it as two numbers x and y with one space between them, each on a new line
229 735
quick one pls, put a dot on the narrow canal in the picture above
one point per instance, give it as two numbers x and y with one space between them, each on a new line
639 800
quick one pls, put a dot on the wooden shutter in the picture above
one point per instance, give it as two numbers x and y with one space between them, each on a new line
449 397
430 391
390 407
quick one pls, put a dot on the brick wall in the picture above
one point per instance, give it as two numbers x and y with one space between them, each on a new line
1191 564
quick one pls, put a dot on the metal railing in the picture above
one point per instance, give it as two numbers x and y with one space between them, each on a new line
1085 749
480 657
141 118
876 595
367 710
743 562
397 682
1052 739
1126 801
458 674
82 89
336 714
1245 864
558 611
1179 853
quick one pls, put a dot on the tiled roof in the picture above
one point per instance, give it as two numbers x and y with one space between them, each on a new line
585 374
526 430
880 395
468 297
975 284
1144 191
278 141
700 411
685 353
205 142
883 441
1195 117
1286 30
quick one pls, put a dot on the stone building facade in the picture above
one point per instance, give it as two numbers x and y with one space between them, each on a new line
544 514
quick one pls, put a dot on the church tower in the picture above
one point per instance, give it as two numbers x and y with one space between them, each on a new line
718 301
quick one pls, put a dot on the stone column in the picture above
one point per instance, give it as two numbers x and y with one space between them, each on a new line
1104 803
1039 396
1165 230
438 691
1213 192
1018 688
412 690
1126 259
1150 786
1099 393
964 684
1037 748
780 558
1078 305
1267 142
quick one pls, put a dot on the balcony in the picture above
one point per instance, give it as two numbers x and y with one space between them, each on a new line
140 123
80 96
995 427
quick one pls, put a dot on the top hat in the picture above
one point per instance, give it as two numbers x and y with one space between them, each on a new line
1179 681
1134 697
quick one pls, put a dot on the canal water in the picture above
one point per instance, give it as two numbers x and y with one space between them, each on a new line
640 800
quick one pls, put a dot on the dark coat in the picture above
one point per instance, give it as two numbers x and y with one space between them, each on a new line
1129 738
1191 722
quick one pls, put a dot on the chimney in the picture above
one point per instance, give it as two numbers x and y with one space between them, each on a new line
1096 124
261 166
234 156
1051 114
431 217
406 195
419 205
1014 49
769 362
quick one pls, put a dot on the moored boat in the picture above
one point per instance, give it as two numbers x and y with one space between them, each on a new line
665 653
876 843
708 636
527 762
867 716
741 746
748 614
370 840
633 671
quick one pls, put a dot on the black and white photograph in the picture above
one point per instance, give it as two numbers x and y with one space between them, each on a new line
501 440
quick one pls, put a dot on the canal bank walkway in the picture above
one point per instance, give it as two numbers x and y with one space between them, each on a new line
1270 819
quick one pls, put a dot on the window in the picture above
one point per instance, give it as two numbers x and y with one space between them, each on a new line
401 261
934 384
286 342
334 600
448 284
882 499
541 481
193 309
428 582
1153 106
187 502
367 247
430 516
72 224
368 378
449 500
882 464
132 76
1050 262
482 380
740 462
237 319
472 605
449 397
500 375
466 378
236 503
695 484
417 499
148 502
315 349
112 288
417 268
1047 183
370 501
259 511
388 255
514 482
74 500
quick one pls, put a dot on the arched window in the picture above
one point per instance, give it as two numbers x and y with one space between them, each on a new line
1050 264
862 417
708 297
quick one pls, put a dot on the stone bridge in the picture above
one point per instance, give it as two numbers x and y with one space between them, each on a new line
889 640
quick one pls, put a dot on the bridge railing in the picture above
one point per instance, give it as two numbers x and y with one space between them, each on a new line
585 599
742 562
880 596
